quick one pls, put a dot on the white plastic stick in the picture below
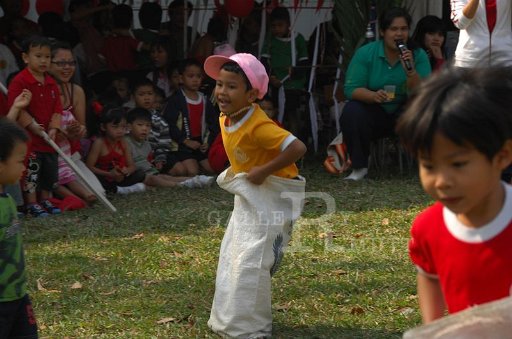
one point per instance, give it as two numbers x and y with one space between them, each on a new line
71 163
78 172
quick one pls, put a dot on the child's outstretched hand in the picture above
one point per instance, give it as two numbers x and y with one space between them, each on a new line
23 99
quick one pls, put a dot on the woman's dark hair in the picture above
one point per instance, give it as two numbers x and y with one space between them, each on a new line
233 67
56 45
387 17
10 135
168 45
470 107
429 24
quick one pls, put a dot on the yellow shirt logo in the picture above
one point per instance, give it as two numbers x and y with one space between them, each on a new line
240 155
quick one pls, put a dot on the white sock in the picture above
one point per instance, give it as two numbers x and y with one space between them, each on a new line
190 183
206 180
140 187
357 174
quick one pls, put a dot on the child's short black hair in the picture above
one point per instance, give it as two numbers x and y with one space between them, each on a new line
139 83
233 67
138 113
122 16
187 63
10 135
112 115
280 13
35 41
468 106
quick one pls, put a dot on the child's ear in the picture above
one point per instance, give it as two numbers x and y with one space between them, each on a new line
24 56
253 95
504 155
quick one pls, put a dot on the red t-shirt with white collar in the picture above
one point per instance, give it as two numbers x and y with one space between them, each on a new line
45 102
473 265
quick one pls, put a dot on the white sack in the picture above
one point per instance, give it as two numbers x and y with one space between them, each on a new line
258 231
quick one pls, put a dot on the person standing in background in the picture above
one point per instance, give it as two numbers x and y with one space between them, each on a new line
485 32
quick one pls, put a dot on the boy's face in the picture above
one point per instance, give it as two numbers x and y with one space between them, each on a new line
192 78
463 179
38 59
122 89
12 168
139 129
144 97
231 92
279 28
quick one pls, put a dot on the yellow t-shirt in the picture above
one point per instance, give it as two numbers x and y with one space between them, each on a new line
254 141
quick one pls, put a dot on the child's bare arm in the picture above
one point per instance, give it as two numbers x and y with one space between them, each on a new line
92 159
130 164
431 298
291 154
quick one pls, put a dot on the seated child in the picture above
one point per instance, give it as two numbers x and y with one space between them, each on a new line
139 121
192 120
459 127
110 158
165 159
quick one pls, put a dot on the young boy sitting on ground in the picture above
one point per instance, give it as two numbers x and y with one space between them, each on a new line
139 123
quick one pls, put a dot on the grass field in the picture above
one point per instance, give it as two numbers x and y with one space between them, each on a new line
148 271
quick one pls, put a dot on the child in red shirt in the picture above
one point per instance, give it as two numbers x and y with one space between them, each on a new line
459 127
45 109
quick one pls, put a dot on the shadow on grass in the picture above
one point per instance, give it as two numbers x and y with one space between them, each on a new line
325 332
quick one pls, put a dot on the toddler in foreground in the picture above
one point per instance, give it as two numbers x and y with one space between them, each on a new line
459 127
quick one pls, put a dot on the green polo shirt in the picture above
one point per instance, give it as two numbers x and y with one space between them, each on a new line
370 69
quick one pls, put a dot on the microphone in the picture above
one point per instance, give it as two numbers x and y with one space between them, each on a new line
402 48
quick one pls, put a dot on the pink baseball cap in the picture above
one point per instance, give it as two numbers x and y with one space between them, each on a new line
252 67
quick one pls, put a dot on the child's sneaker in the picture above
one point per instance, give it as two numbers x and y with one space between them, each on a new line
36 211
205 180
49 207
140 187
191 183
